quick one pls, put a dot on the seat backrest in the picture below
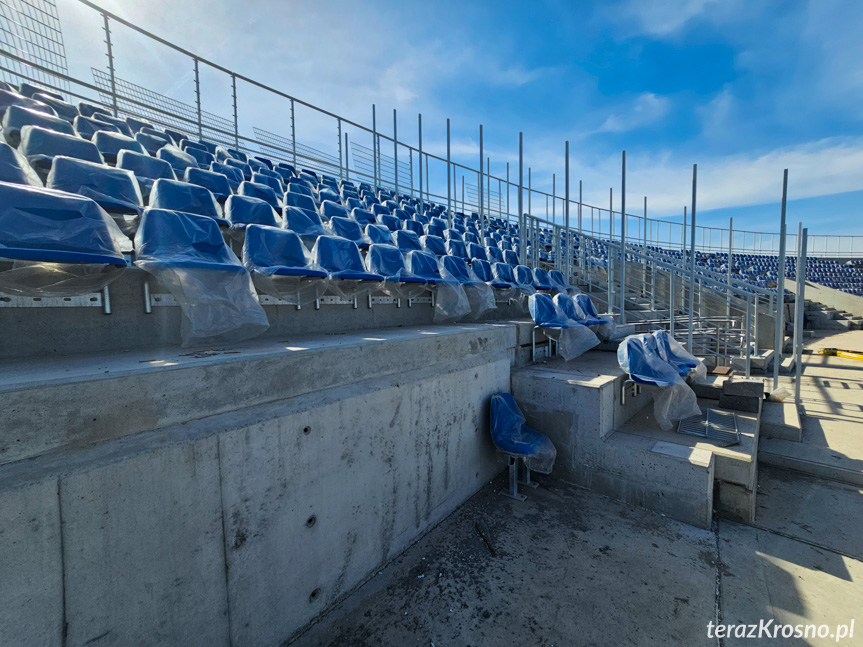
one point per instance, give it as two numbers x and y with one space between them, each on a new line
494 254
274 183
523 275
346 228
502 272
113 143
241 209
475 251
363 216
390 222
34 220
179 160
181 237
556 280
424 265
482 269
540 277
386 260
510 257
379 234
452 234
273 247
88 126
544 312
407 241
112 188
330 209
433 244
37 141
260 191
234 175
566 305
17 117
65 111
455 268
414 226
643 362
336 254
215 182
172 195
586 305
303 222
15 168
301 200
456 248
144 166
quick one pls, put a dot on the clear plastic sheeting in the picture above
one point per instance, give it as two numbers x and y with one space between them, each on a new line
511 435
54 244
15 168
348 276
40 146
388 261
675 354
673 399
186 254
281 266
115 190
451 302
479 294
573 339
172 195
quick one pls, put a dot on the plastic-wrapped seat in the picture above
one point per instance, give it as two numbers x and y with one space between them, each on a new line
479 293
172 195
434 245
573 338
241 166
378 234
388 261
9 98
89 110
541 280
178 159
390 222
119 124
146 169
202 157
341 258
363 216
494 255
16 117
243 211
215 182
350 229
511 436
304 223
675 354
40 146
588 311
187 254
425 266
274 183
673 399
407 241
280 265
114 189
86 127
301 200
15 168
110 145
152 142
414 226
475 251
234 175
557 282
27 89
510 257
55 244
330 209
66 111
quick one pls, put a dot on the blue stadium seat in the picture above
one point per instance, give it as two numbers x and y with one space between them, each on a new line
390 222
643 362
305 223
40 146
215 182
363 217
119 124
494 254
330 209
89 110
510 257
414 226
301 200
456 248
378 234
135 125
348 228
146 169
27 89
187 254
151 142
475 251
234 175
274 183
202 157
70 233
407 241
588 310
388 261
16 117
114 189
341 258
557 282
178 160
15 168
671 351
425 266
86 127
242 211
260 191
171 195
457 268
511 436
66 111
110 145
434 245
9 98
541 279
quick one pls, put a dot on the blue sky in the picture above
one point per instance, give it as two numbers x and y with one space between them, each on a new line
743 88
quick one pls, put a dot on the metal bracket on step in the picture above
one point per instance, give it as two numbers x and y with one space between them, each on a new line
94 300
636 390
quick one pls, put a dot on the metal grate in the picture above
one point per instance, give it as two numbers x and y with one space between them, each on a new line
282 148
363 161
718 426
31 29
164 110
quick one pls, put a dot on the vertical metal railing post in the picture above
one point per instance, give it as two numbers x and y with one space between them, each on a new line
623 239
374 151
507 194
522 239
582 248
197 99
480 180
729 261
567 238
293 134
420 158
236 113
780 288
341 167
798 314
448 176
748 340
347 162
609 270
111 63
692 258
411 160
396 151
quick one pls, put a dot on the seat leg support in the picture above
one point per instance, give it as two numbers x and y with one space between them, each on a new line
512 492
525 479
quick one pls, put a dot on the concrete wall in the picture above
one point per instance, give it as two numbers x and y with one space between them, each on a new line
241 527
835 299
58 331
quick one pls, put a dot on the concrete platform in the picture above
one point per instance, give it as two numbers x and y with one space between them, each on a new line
578 405
781 420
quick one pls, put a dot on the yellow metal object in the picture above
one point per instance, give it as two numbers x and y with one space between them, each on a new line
841 352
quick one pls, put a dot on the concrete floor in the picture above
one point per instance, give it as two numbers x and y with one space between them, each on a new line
570 567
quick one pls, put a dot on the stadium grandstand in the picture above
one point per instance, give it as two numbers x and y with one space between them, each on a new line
243 374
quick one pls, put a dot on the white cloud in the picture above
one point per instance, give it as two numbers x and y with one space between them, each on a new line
665 17
645 110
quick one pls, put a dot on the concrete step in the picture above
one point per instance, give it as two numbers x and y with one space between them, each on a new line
780 420
810 459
